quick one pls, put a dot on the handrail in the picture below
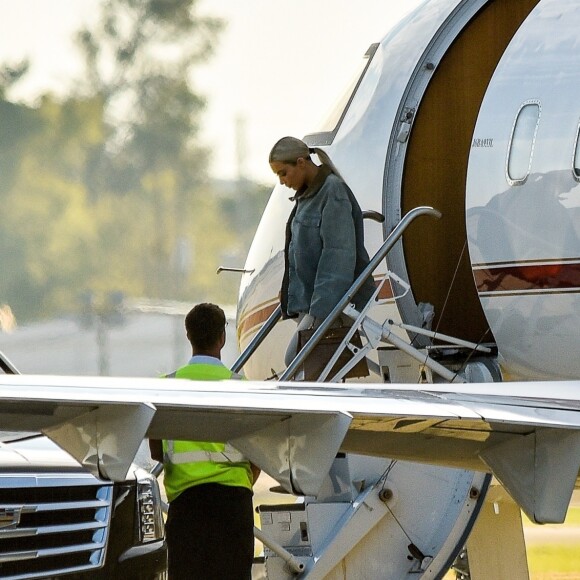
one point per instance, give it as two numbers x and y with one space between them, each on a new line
292 562
257 340
392 238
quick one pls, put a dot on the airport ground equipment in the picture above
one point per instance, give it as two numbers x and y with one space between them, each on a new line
376 517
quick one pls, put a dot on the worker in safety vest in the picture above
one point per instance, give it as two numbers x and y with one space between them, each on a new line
210 522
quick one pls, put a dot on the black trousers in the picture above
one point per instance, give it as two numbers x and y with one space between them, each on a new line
210 534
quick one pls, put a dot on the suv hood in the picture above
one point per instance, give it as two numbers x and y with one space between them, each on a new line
37 452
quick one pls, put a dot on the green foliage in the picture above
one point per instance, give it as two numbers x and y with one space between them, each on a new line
106 189
558 560
17 125
46 223
559 556
11 74
573 516
139 58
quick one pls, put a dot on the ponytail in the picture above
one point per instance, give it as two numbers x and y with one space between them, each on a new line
325 159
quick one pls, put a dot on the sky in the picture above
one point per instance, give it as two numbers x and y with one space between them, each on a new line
278 68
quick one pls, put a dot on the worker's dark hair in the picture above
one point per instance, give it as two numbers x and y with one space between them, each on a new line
205 325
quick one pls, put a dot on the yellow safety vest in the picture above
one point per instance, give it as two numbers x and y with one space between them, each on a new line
191 463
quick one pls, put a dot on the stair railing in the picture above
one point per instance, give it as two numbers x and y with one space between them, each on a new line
267 327
391 240
257 340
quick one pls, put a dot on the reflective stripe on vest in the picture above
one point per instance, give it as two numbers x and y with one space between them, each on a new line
190 463
200 371
228 455
234 376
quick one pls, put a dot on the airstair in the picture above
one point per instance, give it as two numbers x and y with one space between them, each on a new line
375 334
374 517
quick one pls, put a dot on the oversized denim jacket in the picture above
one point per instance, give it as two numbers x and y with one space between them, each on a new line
324 250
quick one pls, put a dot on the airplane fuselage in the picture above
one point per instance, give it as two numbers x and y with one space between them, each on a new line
471 108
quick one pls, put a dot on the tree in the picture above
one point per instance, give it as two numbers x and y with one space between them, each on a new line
139 60
10 74
46 229
105 189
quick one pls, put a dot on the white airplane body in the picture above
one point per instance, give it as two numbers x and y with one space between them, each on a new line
459 168
469 107
527 262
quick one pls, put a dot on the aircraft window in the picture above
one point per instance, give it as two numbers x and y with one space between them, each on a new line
576 167
328 129
521 146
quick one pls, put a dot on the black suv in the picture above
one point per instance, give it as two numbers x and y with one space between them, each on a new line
59 521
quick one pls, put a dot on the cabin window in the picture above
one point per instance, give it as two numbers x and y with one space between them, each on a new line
521 147
576 160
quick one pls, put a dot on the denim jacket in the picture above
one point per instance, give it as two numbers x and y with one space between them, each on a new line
324 250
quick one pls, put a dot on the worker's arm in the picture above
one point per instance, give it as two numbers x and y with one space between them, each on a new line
156 450
255 472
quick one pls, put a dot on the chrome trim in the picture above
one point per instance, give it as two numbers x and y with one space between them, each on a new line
61 536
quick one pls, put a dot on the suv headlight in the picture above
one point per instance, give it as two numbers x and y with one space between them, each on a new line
149 512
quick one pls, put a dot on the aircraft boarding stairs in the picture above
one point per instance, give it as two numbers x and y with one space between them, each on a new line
374 333
374 517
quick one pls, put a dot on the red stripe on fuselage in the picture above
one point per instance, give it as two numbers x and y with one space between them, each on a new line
526 277
259 316
255 319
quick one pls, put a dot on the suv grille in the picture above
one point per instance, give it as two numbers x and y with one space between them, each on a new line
52 524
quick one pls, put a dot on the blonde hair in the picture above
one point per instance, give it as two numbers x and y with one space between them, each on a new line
289 150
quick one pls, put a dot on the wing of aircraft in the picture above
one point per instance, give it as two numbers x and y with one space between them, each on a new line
457 109
530 441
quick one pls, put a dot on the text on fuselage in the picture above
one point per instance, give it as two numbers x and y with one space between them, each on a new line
482 143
